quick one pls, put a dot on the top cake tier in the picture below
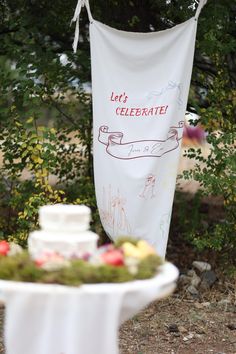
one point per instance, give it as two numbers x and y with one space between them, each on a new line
69 218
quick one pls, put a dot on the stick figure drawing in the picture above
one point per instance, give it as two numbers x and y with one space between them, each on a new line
113 213
149 186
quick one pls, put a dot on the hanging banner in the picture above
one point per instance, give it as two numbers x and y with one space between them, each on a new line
140 85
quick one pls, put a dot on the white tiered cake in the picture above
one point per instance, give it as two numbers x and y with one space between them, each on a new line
64 230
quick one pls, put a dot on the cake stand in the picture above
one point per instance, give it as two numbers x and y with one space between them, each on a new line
55 319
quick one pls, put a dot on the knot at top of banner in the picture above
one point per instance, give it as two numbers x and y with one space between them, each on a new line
201 3
80 4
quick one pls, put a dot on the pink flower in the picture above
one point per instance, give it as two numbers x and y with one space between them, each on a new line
51 261
113 257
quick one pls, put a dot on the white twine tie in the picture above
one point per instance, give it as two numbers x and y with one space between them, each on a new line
80 4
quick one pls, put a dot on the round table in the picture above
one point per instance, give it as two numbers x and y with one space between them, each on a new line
56 319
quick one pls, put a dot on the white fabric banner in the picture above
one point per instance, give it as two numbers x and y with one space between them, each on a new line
140 85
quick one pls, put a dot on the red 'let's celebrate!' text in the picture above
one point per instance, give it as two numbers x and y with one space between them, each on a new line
135 111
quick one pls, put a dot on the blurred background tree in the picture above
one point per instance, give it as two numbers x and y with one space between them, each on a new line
45 106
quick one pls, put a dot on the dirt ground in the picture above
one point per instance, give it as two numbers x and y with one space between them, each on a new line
181 325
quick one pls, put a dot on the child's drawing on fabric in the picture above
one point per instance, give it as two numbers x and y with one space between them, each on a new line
148 190
172 85
113 212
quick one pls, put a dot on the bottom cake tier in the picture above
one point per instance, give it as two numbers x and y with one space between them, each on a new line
68 246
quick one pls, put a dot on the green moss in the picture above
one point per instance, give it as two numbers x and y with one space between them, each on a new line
148 267
19 268
22 268
64 276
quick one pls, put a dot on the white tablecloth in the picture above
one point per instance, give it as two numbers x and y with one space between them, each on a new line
55 319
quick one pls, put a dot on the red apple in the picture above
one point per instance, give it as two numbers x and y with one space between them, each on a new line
114 257
4 248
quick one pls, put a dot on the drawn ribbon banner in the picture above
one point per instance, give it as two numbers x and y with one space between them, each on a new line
140 148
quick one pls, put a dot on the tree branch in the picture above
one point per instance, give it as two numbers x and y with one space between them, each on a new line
56 106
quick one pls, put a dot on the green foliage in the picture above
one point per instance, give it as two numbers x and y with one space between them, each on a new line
216 172
189 217
27 146
30 149
204 222
45 117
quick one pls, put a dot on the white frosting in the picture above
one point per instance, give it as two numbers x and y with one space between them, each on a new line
62 217
69 246
64 230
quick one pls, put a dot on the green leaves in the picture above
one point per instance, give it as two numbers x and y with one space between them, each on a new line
214 76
